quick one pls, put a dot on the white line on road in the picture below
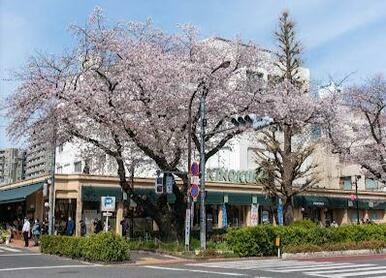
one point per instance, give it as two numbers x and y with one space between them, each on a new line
353 272
321 267
47 267
20 254
10 249
195 270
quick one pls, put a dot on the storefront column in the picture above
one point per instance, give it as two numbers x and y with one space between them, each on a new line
119 218
248 216
78 215
298 215
323 216
219 217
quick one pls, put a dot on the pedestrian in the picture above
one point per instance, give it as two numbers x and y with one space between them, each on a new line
83 228
26 231
97 226
70 227
125 226
36 232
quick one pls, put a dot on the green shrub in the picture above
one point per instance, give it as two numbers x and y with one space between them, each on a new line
375 245
259 240
104 247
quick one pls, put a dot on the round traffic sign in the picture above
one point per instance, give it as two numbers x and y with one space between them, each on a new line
195 169
194 191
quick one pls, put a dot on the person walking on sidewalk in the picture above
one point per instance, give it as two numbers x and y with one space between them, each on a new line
26 231
36 231
70 227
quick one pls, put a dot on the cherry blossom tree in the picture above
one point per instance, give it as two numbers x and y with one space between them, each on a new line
356 130
286 150
124 89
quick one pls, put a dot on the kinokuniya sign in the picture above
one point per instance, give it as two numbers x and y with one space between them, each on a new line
233 176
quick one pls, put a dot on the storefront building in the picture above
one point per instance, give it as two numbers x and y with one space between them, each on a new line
228 204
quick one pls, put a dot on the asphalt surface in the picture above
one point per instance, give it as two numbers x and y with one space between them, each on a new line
20 263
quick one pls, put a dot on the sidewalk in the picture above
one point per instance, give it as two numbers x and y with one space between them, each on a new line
151 258
18 243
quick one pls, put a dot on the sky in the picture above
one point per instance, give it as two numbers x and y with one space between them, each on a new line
339 37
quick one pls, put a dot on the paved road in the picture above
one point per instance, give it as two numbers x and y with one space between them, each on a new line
20 263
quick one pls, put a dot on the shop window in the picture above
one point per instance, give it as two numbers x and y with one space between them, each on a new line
346 183
78 167
371 184
375 215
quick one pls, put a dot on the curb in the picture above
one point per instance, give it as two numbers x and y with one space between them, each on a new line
325 254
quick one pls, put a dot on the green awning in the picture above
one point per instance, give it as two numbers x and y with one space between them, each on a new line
94 193
320 201
239 198
18 194
214 198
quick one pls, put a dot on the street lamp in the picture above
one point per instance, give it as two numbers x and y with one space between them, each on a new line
356 196
223 65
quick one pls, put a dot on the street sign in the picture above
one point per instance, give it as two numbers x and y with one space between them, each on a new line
194 191
107 203
169 183
195 180
107 214
195 169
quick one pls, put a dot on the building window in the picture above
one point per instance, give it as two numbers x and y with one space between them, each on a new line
251 158
371 184
78 167
60 148
346 183
59 170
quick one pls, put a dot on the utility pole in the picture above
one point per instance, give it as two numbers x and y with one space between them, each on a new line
356 196
202 171
51 196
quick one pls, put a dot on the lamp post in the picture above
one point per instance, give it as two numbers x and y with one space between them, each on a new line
356 196
203 123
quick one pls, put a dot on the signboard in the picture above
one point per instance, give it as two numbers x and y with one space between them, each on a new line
254 215
107 214
169 184
107 203
224 216
195 180
187 227
233 176
194 191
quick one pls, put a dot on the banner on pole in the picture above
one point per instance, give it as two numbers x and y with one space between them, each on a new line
254 215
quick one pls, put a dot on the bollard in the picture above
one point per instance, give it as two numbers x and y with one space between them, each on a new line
277 244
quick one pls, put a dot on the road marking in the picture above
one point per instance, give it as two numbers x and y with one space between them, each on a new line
353 272
195 270
10 249
47 267
20 254
320 267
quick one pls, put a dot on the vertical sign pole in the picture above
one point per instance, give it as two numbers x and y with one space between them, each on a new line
202 179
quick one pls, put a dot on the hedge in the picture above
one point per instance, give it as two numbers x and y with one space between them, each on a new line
103 247
259 240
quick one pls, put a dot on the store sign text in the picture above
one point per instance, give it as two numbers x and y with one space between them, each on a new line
233 176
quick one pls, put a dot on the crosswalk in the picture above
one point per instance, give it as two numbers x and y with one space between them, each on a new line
7 249
306 268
